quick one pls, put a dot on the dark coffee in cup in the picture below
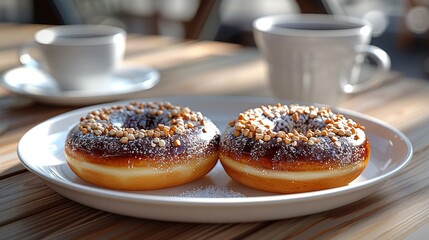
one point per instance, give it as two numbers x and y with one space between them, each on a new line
316 26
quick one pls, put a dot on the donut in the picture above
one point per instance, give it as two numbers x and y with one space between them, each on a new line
142 146
293 149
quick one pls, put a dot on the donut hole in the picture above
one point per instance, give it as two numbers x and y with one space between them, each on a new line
301 126
144 120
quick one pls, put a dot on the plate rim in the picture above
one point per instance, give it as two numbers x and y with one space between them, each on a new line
130 196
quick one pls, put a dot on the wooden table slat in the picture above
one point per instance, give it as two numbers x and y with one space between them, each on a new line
30 209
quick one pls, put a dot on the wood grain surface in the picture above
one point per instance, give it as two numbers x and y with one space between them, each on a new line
30 209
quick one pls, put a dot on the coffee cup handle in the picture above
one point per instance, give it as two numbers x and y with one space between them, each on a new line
25 58
382 61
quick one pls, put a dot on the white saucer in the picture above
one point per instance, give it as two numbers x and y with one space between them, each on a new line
40 86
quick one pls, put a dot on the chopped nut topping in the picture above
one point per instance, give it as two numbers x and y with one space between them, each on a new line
295 117
259 124
295 138
131 137
124 140
181 118
337 144
119 133
231 123
281 134
267 138
177 143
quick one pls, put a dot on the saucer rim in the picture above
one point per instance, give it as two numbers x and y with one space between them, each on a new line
79 97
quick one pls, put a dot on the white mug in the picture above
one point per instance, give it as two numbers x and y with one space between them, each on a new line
315 58
78 57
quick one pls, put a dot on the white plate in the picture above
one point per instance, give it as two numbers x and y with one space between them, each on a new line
214 198
40 86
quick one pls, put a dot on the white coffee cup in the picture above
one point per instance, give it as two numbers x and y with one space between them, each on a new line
314 58
78 57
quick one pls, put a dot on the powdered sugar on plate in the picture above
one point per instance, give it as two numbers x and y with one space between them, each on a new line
210 192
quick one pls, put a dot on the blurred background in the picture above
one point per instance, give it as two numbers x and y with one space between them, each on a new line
400 26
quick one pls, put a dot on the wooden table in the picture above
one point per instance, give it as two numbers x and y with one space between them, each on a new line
29 209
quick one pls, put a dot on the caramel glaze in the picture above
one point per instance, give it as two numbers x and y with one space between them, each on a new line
275 155
107 150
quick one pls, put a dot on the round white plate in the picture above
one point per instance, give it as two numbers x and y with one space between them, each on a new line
216 197
40 86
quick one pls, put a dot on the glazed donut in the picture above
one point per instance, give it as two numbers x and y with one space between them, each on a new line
142 146
291 149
